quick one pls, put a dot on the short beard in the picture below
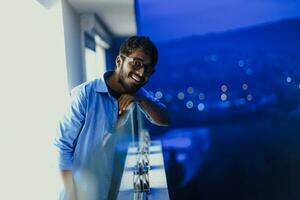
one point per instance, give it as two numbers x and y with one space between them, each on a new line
121 81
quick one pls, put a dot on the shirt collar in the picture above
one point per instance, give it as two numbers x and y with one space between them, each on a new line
101 85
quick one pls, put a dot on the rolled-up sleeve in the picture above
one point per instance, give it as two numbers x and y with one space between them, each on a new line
70 126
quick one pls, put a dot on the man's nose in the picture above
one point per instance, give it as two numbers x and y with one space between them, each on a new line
141 71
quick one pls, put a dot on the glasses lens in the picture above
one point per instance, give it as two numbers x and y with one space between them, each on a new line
137 63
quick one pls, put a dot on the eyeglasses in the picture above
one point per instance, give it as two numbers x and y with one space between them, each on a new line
137 64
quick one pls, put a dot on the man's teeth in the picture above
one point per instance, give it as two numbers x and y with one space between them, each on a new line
136 78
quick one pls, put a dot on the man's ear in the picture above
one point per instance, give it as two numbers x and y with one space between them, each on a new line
118 61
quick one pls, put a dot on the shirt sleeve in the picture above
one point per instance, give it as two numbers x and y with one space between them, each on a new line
70 126
151 98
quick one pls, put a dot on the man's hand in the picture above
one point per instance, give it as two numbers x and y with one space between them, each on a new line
124 101
157 112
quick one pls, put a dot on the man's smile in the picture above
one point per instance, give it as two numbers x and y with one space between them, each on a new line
136 78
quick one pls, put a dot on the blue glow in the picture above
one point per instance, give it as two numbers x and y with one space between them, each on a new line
288 79
178 142
201 106
186 146
249 97
168 97
249 71
223 97
225 104
245 86
159 94
242 101
190 90
180 157
189 104
241 63
224 88
180 95
213 58
201 96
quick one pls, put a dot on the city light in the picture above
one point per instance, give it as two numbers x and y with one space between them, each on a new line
249 97
201 96
180 95
249 71
201 106
158 94
190 90
224 88
189 104
241 63
245 86
223 97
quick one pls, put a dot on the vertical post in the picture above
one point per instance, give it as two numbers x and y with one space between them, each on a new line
140 123
134 124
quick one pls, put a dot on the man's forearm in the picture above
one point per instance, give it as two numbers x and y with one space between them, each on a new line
158 113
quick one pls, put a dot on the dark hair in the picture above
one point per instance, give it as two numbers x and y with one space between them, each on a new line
140 42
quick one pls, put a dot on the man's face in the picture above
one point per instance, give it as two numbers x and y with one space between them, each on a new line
134 70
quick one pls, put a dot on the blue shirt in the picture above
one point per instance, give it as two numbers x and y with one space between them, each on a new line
92 114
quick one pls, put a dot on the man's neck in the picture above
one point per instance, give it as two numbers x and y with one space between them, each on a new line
114 84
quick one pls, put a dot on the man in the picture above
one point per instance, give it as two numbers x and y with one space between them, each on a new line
96 107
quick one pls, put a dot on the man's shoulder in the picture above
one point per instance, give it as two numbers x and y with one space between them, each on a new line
87 86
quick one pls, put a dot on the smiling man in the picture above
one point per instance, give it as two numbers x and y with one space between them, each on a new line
96 109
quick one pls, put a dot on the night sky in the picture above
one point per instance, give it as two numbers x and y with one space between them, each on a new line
165 20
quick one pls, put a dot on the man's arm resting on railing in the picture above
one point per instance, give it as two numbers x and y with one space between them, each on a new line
156 110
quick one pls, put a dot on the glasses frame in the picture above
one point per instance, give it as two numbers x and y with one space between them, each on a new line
146 67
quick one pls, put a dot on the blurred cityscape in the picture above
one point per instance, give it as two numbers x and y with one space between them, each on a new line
235 107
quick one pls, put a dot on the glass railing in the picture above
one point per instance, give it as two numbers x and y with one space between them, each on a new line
144 173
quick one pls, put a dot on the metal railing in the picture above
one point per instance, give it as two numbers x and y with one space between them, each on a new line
141 141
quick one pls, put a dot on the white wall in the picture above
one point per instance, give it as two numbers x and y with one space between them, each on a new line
34 94
74 52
